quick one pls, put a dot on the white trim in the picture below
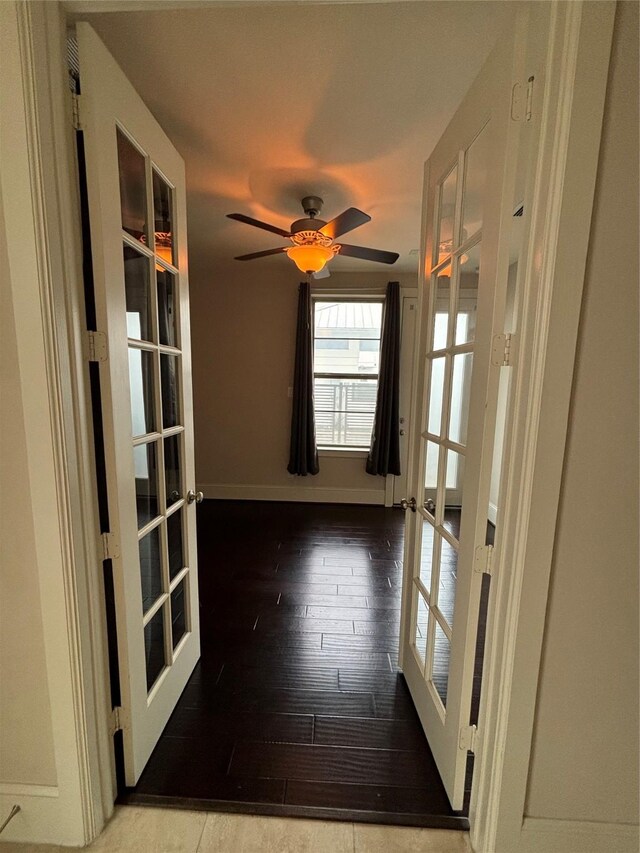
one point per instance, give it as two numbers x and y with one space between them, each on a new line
570 105
540 835
342 453
304 494
492 514
16 789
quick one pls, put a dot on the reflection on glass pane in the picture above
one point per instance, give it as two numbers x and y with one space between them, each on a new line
154 647
341 355
455 477
174 538
145 461
428 550
167 307
448 579
170 390
162 219
447 211
435 395
441 314
172 469
440 667
468 295
141 389
474 183
344 411
431 468
133 190
422 628
178 614
347 319
150 568
137 294
460 391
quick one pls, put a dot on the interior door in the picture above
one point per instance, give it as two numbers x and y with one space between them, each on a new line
467 194
137 212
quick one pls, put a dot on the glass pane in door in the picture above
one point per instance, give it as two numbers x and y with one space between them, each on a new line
167 307
170 390
428 554
467 301
448 580
141 388
421 629
163 219
133 189
446 214
172 469
178 613
440 665
174 538
460 391
138 295
145 462
436 395
441 315
154 647
150 568
477 161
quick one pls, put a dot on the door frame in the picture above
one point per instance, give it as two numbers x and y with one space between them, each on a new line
561 201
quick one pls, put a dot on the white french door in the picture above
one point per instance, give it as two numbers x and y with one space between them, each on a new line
137 213
467 195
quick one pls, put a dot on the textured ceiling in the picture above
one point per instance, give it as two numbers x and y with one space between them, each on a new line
268 103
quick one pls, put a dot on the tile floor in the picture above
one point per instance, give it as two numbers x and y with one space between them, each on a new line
135 829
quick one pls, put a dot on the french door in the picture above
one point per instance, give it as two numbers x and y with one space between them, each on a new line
468 193
137 213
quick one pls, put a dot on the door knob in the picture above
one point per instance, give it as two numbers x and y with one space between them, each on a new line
405 504
192 496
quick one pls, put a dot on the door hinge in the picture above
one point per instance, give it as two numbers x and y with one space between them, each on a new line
467 738
116 719
95 346
522 101
503 350
110 546
75 111
483 561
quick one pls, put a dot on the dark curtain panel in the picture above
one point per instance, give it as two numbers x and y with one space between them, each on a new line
384 456
303 458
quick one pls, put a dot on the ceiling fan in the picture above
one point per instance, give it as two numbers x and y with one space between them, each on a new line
313 239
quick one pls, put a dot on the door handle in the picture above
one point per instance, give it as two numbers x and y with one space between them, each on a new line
405 504
192 496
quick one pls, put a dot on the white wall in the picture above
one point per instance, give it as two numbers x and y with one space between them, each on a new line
243 325
26 735
584 764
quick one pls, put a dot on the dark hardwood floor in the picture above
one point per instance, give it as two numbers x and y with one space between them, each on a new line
297 706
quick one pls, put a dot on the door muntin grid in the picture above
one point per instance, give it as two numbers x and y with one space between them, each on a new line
153 328
455 260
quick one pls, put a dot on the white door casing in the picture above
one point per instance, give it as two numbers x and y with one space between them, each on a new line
134 174
469 181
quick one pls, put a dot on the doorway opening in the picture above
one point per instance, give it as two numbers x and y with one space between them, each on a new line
297 706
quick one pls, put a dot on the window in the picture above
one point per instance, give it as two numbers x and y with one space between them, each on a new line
346 361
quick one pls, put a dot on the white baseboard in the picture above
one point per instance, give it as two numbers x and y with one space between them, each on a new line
492 515
40 819
303 494
540 835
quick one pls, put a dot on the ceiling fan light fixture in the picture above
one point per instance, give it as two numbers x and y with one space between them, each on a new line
311 258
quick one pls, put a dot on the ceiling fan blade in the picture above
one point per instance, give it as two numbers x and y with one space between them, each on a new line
369 254
348 220
254 255
323 273
240 217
